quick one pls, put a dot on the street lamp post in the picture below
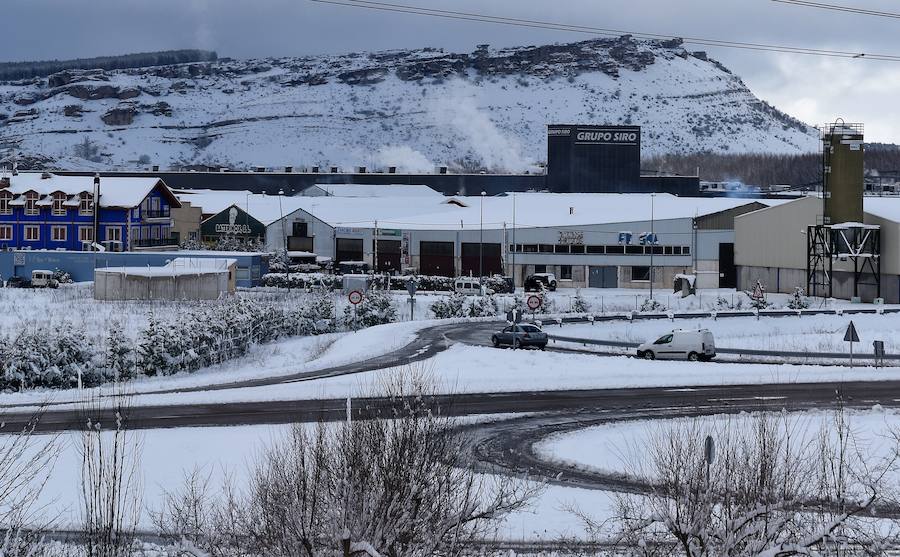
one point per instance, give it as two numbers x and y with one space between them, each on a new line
481 243
652 242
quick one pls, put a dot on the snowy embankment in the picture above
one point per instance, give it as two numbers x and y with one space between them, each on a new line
814 333
622 447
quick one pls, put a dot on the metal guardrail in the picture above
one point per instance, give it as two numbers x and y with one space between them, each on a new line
735 351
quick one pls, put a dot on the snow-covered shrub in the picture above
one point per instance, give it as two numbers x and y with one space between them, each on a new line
120 356
579 304
798 300
481 306
62 277
449 306
302 280
376 308
650 305
52 358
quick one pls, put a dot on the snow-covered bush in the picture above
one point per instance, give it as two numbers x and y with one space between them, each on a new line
652 306
798 300
449 306
62 277
724 303
376 308
120 356
52 358
481 306
579 304
302 280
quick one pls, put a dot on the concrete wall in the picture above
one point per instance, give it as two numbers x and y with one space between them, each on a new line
113 285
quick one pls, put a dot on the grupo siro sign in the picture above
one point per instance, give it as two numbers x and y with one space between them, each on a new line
607 137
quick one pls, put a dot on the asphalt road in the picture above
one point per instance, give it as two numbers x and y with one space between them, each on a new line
432 341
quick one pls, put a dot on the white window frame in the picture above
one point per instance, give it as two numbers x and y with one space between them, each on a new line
54 228
6 232
31 208
118 233
84 232
59 207
85 204
36 228
5 207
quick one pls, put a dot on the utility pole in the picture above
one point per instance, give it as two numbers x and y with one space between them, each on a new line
514 243
284 238
96 239
481 244
375 270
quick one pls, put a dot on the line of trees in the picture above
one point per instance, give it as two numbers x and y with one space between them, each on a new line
766 169
24 70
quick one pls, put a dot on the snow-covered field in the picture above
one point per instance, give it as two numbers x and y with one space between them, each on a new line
621 447
815 333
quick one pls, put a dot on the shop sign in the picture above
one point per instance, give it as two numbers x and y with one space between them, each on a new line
571 237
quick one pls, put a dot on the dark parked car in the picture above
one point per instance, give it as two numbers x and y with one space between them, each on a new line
540 281
18 282
520 336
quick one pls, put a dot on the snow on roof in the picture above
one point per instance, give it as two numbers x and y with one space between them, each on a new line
114 191
533 210
264 208
379 190
176 267
883 207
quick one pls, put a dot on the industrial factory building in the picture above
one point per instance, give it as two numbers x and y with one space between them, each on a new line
596 240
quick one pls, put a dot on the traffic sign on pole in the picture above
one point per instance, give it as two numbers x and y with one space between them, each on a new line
851 336
534 302
355 297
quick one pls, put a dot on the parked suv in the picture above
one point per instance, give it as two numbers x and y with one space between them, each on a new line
539 281
680 344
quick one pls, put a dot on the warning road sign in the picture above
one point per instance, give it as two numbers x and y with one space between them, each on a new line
850 335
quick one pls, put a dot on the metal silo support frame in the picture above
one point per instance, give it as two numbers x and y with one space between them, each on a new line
819 261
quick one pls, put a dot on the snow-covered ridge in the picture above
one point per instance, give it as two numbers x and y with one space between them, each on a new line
413 109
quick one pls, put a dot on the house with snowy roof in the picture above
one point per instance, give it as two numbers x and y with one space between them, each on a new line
52 212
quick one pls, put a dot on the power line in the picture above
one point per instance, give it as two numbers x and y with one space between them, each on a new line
539 24
839 8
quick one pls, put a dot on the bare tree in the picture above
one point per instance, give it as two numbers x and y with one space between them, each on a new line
774 490
391 485
110 479
26 460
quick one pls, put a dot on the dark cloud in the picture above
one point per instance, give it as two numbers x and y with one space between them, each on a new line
814 89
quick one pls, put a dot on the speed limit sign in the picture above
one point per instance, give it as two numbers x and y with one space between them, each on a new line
355 297
534 302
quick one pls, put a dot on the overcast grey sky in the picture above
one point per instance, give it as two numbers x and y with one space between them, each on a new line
811 88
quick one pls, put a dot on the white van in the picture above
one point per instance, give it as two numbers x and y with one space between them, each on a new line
43 279
679 345
468 286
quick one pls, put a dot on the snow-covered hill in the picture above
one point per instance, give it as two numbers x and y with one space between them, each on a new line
412 108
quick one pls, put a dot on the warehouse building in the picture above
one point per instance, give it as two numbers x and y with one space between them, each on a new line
597 240
772 246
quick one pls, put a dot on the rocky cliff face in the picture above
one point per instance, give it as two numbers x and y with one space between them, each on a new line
484 110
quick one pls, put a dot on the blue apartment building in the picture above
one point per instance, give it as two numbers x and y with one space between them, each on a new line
43 211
